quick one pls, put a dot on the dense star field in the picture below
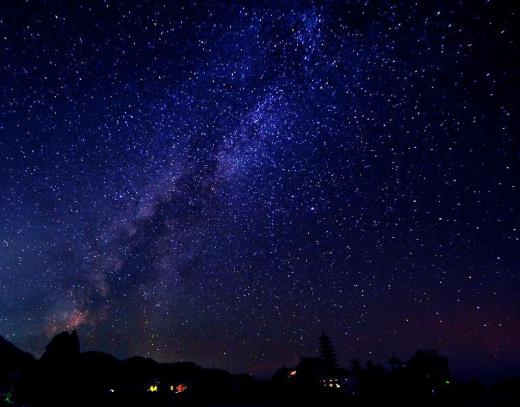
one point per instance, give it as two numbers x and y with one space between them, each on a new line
220 182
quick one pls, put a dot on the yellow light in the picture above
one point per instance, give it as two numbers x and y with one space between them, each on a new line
153 388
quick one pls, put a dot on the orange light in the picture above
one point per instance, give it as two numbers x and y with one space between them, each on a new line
179 388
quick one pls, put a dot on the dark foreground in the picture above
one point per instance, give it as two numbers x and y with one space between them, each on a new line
64 376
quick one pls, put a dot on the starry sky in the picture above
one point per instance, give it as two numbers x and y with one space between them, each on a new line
219 181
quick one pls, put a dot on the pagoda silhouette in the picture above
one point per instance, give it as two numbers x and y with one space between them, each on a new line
327 352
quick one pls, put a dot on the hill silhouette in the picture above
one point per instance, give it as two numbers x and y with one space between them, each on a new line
13 362
66 376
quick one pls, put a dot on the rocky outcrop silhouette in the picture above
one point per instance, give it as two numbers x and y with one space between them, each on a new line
63 347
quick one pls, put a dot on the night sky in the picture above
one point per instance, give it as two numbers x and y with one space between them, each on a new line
219 182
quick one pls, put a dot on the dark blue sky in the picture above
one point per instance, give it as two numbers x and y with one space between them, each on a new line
219 183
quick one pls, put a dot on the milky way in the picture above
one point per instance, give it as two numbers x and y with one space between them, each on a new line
219 183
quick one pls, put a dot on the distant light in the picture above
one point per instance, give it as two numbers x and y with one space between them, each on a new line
179 388
7 398
111 390
153 388
447 381
293 373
